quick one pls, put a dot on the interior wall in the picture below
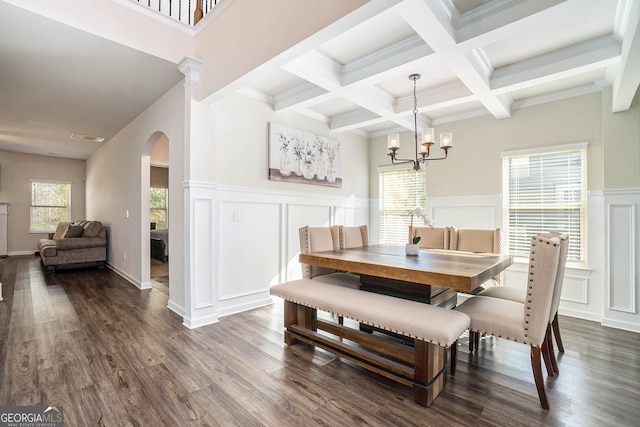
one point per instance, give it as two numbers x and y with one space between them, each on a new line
241 149
270 28
160 152
621 144
474 165
466 191
16 171
236 212
138 26
114 190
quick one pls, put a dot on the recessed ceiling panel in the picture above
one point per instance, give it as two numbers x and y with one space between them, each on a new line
335 107
575 83
383 30
435 75
575 25
277 82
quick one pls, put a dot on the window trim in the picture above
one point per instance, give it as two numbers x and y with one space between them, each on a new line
548 150
31 205
166 203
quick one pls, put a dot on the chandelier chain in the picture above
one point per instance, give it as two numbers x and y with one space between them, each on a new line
415 97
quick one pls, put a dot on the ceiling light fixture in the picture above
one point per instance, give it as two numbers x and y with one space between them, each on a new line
87 137
428 138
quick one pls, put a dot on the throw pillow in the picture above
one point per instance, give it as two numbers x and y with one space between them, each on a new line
92 229
73 231
61 229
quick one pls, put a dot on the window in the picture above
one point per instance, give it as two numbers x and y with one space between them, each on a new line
158 206
50 204
545 191
401 192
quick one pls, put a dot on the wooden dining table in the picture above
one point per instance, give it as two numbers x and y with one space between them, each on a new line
433 276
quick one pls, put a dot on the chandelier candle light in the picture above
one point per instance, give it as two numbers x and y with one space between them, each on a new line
428 138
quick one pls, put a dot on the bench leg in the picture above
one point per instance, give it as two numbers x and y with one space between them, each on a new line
454 357
295 314
430 370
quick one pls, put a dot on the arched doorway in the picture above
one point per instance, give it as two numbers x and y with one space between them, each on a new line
155 212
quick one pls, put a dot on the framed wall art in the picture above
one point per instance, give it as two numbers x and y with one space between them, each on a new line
303 157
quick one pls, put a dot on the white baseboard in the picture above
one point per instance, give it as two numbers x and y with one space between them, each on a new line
125 276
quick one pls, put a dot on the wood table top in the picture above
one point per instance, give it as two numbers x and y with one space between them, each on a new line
463 271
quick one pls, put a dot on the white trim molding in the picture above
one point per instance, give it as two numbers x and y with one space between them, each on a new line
621 281
621 255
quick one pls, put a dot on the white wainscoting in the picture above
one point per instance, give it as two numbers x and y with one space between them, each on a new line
482 211
622 216
255 240
200 243
582 292
254 244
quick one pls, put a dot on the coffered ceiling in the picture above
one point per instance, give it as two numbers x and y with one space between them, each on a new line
476 57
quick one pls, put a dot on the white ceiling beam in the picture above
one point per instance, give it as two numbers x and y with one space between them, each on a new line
327 77
435 28
301 96
353 120
495 17
571 61
627 79
403 55
317 68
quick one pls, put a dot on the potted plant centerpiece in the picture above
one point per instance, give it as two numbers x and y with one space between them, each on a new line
412 248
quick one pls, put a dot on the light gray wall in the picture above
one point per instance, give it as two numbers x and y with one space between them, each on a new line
621 144
16 171
118 181
240 152
474 165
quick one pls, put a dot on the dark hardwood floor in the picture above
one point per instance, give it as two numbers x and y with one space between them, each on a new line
113 355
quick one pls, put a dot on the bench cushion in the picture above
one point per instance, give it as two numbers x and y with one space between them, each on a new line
505 292
340 279
421 321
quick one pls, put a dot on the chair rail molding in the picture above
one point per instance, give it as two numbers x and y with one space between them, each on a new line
230 227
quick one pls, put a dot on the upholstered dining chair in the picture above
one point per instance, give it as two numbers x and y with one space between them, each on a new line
477 240
317 239
430 237
525 323
354 237
519 295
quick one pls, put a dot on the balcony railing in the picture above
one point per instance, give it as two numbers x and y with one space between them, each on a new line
186 11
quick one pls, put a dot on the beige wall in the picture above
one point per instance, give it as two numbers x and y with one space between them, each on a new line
16 172
160 152
118 181
240 152
474 166
621 144
263 27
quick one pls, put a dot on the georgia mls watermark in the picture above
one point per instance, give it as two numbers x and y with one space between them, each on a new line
31 416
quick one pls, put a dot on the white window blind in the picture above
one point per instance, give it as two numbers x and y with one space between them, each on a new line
50 204
546 192
401 192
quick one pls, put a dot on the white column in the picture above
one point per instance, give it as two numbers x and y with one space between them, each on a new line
199 213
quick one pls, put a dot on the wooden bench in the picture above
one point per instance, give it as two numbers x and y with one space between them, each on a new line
429 328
